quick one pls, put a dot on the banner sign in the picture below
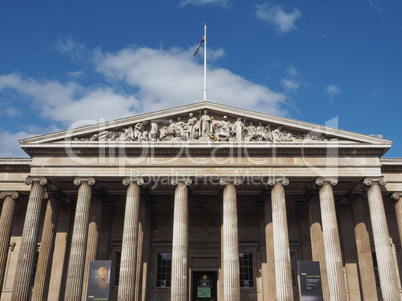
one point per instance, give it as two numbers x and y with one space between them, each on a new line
310 281
99 280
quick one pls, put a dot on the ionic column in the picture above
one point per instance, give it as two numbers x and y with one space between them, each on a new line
28 242
76 262
6 222
179 284
383 248
92 242
317 242
231 269
333 255
46 247
283 270
130 236
363 248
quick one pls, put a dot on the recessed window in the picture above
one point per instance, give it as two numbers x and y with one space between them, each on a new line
116 269
246 270
164 270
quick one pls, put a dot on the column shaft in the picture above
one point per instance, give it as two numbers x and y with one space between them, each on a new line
283 272
363 248
179 285
333 255
6 222
231 269
269 242
28 242
76 261
129 246
46 249
92 242
317 242
383 249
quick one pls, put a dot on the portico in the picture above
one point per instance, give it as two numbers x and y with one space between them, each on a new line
209 203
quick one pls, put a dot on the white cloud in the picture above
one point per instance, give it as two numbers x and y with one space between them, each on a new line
10 146
282 21
292 81
290 84
224 3
168 78
68 102
147 80
77 74
375 5
332 91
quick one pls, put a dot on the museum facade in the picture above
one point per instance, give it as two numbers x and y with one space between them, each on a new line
201 202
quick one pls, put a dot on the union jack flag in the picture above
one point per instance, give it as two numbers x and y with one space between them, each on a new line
198 48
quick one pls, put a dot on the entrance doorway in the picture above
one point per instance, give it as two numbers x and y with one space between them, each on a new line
204 286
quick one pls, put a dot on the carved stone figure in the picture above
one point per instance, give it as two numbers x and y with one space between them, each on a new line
193 127
205 123
277 135
127 135
154 132
251 132
222 129
168 130
238 129
263 133
179 129
138 129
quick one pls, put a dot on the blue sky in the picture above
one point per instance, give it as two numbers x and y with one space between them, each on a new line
68 63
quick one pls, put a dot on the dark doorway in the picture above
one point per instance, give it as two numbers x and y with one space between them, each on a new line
204 286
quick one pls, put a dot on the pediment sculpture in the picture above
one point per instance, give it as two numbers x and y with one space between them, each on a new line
206 128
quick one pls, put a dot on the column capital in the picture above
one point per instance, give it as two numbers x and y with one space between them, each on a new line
13 194
42 180
225 180
278 180
396 195
176 180
369 181
79 180
321 181
136 180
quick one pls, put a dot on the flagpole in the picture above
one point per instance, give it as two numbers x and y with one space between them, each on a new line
205 61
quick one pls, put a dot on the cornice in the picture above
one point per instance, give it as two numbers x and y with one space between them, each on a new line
207 150
15 164
391 165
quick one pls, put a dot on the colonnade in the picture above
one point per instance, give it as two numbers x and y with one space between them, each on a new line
325 241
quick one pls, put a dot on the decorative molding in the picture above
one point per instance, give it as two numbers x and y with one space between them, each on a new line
136 180
176 180
278 180
90 180
224 180
320 181
42 180
13 194
369 181
206 149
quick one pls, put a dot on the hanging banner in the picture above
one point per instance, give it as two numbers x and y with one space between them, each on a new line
310 281
99 280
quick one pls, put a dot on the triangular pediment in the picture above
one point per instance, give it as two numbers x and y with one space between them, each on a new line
205 123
